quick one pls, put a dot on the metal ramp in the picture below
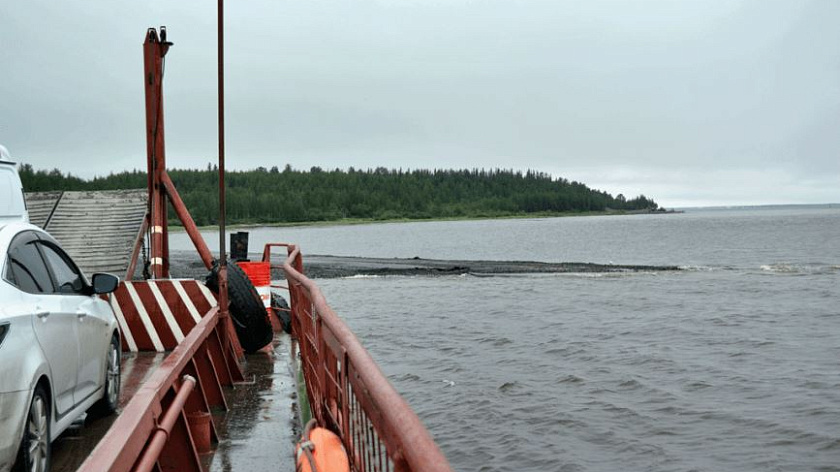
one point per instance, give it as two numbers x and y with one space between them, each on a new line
40 206
98 229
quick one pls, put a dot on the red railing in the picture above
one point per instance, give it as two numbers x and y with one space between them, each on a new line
154 430
348 392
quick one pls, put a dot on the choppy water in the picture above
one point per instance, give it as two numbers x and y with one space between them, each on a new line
731 364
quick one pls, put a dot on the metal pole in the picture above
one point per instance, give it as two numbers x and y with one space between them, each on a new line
223 285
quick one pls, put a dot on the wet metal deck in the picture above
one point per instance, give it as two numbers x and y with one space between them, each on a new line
74 445
257 433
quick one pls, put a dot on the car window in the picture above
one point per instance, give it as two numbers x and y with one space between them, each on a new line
30 272
8 274
68 279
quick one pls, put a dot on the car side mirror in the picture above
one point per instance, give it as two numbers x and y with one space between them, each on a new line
105 283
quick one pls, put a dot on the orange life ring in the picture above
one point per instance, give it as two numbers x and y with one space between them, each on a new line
320 450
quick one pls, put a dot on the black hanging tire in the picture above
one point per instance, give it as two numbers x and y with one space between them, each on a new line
246 308
281 310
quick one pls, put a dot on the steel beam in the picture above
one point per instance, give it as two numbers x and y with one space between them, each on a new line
135 251
186 220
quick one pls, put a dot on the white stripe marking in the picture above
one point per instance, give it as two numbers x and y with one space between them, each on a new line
144 316
207 294
187 302
167 313
124 328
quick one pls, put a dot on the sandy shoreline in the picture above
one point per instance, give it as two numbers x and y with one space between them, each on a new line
186 264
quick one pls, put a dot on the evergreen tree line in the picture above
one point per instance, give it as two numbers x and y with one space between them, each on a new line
291 195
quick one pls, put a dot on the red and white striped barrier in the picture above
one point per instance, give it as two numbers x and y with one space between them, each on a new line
155 315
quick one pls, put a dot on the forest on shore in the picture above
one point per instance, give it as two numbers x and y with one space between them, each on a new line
291 195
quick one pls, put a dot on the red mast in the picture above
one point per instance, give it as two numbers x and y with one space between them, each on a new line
154 51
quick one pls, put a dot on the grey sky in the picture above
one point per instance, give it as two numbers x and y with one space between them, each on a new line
691 102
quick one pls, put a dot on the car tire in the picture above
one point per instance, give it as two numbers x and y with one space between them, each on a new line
246 308
35 447
111 396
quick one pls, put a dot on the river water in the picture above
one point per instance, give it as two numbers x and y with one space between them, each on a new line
730 364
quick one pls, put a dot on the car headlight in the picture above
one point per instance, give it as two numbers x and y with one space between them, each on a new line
4 329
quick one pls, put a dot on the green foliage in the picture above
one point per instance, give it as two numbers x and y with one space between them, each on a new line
291 195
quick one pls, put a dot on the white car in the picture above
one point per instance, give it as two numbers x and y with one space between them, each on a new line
59 343
12 204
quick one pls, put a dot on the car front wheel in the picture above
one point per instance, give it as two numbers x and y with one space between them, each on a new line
111 398
35 447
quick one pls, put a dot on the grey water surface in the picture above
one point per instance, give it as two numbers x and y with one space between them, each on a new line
732 363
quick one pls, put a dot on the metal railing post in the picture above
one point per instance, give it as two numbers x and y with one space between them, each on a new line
150 456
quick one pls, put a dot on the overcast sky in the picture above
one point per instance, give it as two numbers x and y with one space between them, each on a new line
700 102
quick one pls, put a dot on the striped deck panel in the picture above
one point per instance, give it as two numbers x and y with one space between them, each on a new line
155 315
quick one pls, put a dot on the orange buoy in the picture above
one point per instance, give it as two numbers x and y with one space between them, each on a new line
320 450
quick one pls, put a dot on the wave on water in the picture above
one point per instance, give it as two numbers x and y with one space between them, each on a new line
584 275
587 275
608 275
775 268
700 268
800 269
409 377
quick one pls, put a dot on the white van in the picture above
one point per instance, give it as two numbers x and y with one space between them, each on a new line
12 204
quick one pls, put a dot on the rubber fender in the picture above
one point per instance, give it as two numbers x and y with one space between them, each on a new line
246 308
281 310
326 450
